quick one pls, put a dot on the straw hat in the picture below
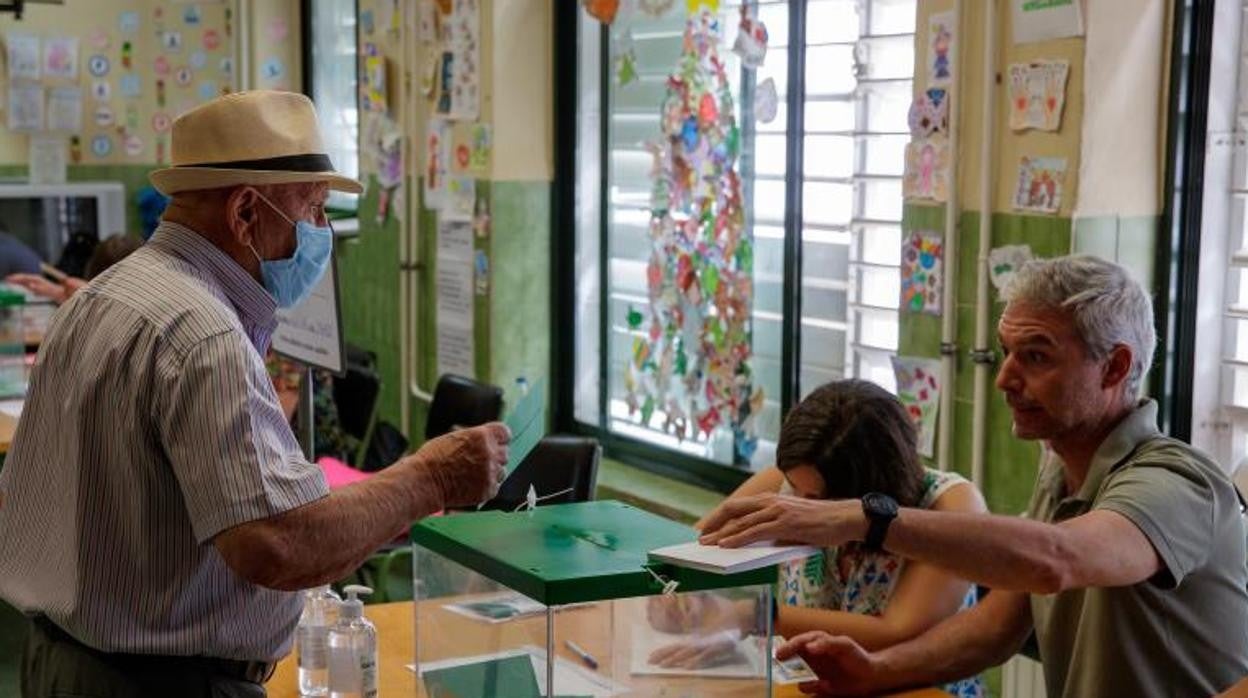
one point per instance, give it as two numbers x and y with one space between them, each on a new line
258 137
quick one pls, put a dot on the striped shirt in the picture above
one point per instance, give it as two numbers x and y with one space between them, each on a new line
151 425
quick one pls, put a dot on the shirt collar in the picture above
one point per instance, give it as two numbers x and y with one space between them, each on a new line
255 306
1138 426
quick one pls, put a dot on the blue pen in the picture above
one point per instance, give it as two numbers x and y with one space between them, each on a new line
585 656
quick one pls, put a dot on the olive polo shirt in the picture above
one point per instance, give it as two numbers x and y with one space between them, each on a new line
1183 632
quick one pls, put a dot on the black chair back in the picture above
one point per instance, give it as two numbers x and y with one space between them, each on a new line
556 464
462 402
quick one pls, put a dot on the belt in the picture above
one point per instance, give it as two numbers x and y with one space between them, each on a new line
143 664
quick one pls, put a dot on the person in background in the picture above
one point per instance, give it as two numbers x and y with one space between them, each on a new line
158 517
846 439
111 250
1131 566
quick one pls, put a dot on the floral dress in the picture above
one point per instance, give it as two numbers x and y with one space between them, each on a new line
849 578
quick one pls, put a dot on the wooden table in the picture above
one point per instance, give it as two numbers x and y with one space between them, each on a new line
395 621
8 425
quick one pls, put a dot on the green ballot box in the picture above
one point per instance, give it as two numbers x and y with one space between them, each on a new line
565 601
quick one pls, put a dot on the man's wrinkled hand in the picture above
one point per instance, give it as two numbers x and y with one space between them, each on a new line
468 465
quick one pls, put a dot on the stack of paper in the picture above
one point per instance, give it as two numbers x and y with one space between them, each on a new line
712 558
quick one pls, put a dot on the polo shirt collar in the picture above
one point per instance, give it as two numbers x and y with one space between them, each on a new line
1138 426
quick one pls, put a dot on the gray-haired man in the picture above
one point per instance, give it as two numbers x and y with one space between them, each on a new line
1131 569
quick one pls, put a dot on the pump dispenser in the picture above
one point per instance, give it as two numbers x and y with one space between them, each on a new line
320 612
353 649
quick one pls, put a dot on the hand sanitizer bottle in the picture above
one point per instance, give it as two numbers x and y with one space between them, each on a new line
320 611
353 649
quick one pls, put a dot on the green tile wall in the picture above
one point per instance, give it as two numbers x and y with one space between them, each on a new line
1010 464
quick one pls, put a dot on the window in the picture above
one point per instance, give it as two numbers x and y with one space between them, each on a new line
330 76
666 367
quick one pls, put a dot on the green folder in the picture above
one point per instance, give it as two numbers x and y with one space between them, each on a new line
512 676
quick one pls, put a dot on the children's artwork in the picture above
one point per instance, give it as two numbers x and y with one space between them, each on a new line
99 39
23 55
161 122
918 389
375 83
64 111
1037 94
101 146
751 44
98 66
922 272
437 161
25 108
766 102
273 69
211 40
104 116
133 145
130 86
941 36
171 41
191 15
60 58
127 55
198 60
460 200
481 146
1040 20
183 76
602 10
128 22
48 160
1004 261
691 372
655 8
207 90
482 273
927 169
929 113
1040 184
444 83
278 29
465 70
101 90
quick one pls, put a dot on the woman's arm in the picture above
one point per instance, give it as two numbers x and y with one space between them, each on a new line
924 596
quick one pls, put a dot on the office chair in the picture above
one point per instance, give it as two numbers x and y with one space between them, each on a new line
556 464
462 402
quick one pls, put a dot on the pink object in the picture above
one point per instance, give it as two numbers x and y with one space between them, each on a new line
339 474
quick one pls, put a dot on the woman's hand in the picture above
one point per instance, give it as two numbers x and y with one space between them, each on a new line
776 517
40 286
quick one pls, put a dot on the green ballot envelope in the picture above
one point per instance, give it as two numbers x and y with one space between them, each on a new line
527 424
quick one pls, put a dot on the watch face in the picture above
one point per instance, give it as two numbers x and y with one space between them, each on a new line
879 504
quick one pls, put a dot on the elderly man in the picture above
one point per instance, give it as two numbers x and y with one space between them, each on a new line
1131 568
158 516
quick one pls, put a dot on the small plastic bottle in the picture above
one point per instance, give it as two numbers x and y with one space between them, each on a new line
320 612
353 649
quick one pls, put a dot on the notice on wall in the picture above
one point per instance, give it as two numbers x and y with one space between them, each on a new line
1041 20
311 332
453 282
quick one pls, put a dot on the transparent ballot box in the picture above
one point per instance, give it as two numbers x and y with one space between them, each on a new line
12 344
563 601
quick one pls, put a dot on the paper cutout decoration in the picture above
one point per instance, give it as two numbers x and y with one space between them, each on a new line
278 29
918 389
99 39
23 54
191 15
481 148
128 22
98 66
1037 94
133 145
1040 184
60 58
766 102
691 363
922 272
161 122
101 146
1004 261
183 76
625 61
460 201
695 6
751 43
172 41
602 10
104 116
207 90
101 90
25 108
941 35
64 110
127 55
273 69
927 169
211 40
655 8
130 86
929 114
198 60
1041 20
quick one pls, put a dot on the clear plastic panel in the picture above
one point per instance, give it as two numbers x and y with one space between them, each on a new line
476 637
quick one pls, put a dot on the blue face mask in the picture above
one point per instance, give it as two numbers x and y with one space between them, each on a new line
290 280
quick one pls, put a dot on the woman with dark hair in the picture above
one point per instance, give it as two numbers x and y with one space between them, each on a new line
846 439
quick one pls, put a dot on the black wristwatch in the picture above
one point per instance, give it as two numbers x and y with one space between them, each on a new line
880 510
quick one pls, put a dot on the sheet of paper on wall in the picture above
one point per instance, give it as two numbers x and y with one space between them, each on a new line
1039 186
1041 20
437 161
64 110
453 284
49 160
918 389
927 169
60 58
25 108
465 69
23 56
1004 261
1037 94
460 201
942 32
922 272
929 113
